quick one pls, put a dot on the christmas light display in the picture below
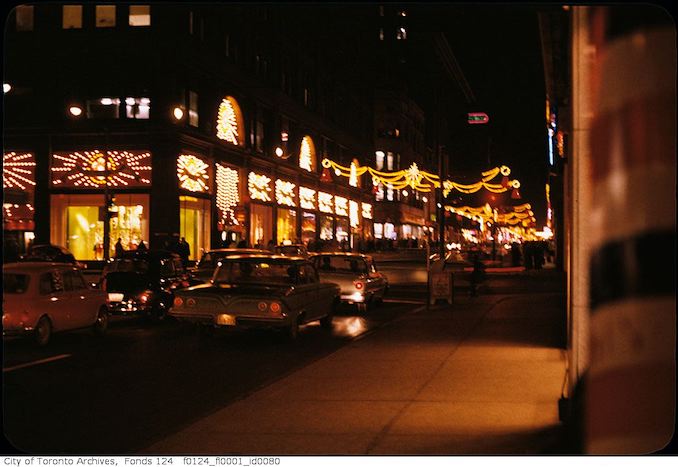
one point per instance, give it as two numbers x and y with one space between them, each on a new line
307 154
259 187
284 193
421 180
228 122
325 203
227 193
367 211
353 213
18 170
193 173
93 169
306 198
340 206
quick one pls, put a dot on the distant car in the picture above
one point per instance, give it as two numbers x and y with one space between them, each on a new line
51 253
41 298
143 282
294 249
204 270
259 291
357 275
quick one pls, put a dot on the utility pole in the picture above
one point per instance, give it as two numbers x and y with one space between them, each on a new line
107 200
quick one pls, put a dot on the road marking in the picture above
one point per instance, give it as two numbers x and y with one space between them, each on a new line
37 362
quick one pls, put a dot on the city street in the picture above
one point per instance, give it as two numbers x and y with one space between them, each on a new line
143 382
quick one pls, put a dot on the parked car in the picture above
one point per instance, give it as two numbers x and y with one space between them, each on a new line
259 291
41 298
357 275
143 282
294 249
204 269
51 253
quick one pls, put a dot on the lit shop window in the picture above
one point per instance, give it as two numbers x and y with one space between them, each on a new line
106 107
230 122
379 160
105 16
193 108
261 224
326 227
24 18
72 16
287 225
194 223
139 15
308 227
193 173
138 107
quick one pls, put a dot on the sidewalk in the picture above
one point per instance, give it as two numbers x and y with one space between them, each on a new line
481 377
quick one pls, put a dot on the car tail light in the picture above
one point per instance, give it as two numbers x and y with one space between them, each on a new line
178 301
358 285
262 306
275 307
143 298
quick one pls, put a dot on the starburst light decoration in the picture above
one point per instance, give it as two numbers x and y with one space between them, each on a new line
259 187
284 193
340 206
367 211
325 203
96 169
193 173
306 198
18 170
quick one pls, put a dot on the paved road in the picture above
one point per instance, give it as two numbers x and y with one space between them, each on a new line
118 394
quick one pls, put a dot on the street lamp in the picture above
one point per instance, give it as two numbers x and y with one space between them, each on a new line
178 113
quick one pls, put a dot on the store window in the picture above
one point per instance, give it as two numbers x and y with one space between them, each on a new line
326 227
24 18
308 227
72 16
139 15
287 225
378 230
105 107
78 223
105 16
194 220
343 231
137 107
261 224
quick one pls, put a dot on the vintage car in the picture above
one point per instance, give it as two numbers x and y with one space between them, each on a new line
361 284
293 249
259 291
204 270
142 283
41 298
51 254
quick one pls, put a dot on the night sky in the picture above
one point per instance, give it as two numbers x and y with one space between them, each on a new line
499 51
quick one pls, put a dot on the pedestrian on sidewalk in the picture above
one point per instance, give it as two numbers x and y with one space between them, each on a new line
477 275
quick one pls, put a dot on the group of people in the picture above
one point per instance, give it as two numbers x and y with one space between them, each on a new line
182 248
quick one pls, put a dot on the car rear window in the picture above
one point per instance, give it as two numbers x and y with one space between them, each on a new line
238 272
340 264
15 283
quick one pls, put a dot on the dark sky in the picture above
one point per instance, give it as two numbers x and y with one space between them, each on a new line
498 49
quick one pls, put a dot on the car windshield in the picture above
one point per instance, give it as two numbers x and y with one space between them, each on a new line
210 260
340 264
14 283
253 272
127 265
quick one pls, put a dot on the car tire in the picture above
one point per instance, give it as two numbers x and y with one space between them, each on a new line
101 324
326 321
43 331
293 330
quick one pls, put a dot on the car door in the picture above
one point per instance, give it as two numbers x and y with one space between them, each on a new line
85 301
54 300
306 292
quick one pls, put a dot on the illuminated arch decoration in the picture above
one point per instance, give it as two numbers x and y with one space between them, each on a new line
193 173
18 170
230 125
307 154
511 216
228 196
94 169
423 181
259 187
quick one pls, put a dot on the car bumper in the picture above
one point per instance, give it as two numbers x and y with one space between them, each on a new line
356 297
227 321
128 307
17 331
